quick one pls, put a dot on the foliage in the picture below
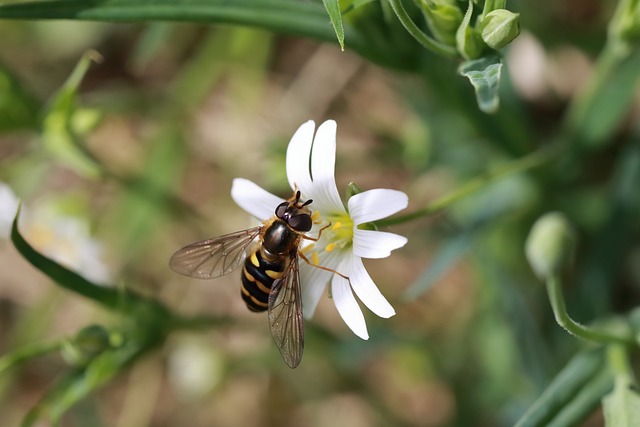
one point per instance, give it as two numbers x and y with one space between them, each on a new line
521 168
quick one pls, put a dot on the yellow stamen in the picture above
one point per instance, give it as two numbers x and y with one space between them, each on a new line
330 247
336 226
315 216
307 248
315 258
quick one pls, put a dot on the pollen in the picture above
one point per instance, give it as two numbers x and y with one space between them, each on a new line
315 217
336 226
330 247
315 258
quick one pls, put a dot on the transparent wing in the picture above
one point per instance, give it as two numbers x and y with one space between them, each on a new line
285 314
214 257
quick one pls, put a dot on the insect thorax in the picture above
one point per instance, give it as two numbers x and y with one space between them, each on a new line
279 239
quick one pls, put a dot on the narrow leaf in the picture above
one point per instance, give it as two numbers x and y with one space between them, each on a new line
289 16
565 387
64 122
107 296
333 9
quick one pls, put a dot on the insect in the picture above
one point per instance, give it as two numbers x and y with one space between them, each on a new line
270 275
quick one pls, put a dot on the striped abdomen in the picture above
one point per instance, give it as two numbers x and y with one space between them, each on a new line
258 276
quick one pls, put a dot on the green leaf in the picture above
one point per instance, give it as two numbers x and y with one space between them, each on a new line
333 9
573 393
18 108
65 123
289 16
597 112
622 406
108 296
80 382
443 20
484 75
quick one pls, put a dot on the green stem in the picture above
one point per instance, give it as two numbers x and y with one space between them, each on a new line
556 298
524 163
28 352
426 41
618 359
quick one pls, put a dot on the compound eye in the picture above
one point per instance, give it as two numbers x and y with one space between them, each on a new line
281 209
301 222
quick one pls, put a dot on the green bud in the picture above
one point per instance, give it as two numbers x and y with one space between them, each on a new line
500 27
625 23
443 20
468 40
352 190
550 245
85 345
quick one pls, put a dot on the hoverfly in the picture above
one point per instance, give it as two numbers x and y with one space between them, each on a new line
270 276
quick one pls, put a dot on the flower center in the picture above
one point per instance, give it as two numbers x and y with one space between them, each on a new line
338 236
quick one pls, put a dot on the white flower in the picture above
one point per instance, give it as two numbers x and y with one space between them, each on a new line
310 169
65 239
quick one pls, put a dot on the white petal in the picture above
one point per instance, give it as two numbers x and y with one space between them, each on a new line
348 307
254 199
323 158
375 204
298 154
376 244
312 290
314 281
367 291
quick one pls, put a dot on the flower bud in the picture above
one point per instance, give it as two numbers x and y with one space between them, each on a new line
625 23
352 190
86 345
443 20
468 40
500 27
550 245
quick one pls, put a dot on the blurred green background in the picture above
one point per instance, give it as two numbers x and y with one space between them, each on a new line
172 112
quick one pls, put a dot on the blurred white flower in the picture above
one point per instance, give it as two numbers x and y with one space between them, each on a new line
65 239
8 208
310 169
194 368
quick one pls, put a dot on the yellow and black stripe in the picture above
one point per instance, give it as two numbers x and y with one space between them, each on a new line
258 276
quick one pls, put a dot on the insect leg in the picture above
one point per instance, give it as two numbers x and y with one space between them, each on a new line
330 270
315 239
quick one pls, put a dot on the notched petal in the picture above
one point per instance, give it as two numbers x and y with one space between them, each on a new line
254 199
298 154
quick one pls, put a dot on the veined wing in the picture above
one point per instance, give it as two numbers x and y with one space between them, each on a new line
214 257
285 314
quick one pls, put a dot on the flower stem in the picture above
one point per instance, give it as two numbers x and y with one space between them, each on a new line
23 354
529 161
556 298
